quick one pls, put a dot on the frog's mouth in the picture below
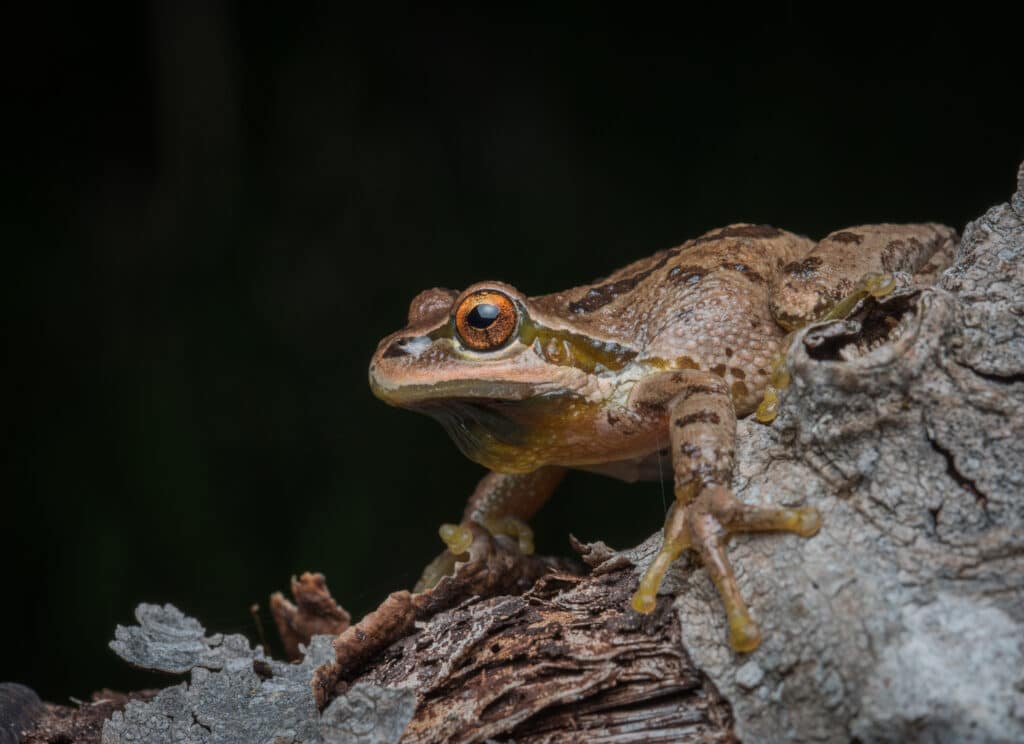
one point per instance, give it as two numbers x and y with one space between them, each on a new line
450 392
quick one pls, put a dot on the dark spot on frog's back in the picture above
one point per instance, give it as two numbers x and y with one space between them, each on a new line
845 236
699 390
598 297
697 417
748 272
685 274
803 269
891 255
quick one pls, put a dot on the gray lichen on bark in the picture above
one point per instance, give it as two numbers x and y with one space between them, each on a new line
237 695
167 640
903 620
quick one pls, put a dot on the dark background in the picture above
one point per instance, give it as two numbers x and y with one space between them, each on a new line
212 212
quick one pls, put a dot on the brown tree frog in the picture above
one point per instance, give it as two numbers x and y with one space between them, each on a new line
669 350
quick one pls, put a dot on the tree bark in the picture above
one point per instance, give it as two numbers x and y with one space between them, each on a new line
566 661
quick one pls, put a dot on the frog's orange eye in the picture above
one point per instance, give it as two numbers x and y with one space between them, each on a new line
486 320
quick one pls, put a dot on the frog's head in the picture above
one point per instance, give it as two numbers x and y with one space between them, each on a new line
491 366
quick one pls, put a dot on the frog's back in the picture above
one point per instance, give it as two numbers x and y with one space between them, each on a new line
701 305
729 268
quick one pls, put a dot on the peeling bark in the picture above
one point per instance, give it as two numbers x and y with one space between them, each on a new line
567 661
314 613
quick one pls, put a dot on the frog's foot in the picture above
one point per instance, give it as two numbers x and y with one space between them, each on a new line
515 528
704 525
871 285
459 539
777 380
768 409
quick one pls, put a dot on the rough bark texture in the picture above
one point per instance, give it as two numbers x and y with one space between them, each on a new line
902 620
494 566
60 724
567 661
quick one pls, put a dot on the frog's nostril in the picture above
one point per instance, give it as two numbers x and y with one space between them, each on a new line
396 349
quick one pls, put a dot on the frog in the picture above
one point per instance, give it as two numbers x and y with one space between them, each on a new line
656 361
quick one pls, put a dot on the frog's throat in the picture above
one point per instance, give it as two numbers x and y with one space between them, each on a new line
505 436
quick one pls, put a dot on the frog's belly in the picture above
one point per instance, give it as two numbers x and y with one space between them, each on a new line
628 458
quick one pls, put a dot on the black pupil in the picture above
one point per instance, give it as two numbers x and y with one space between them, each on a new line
483 315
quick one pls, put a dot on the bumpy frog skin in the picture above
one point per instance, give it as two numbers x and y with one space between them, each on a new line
667 351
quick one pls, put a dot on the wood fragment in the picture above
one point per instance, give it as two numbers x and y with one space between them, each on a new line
314 613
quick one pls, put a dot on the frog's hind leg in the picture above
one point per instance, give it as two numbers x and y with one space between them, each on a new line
844 268
702 426
807 290
501 503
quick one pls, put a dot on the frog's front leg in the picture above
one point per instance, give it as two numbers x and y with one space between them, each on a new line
501 503
702 427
